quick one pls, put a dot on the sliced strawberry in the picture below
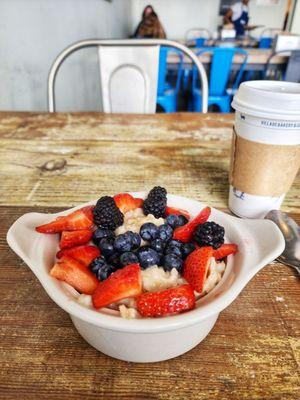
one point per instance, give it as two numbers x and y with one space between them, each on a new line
76 274
225 250
74 238
80 219
125 202
185 233
126 282
166 302
196 267
84 254
177 211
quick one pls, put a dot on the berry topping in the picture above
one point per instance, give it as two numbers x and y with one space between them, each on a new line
128 258
185 233
76 274
209 234
156 202
165 232
176 220
101 268
158 245
196 267
107 214
127 241
166 302
121 284
147 257
125 202
177 211
114 260
84 254
101 233
171 261
74 238
80 219
106 246
173 249
225 250
186 249
149 231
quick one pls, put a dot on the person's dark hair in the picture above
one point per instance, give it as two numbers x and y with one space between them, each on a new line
144 12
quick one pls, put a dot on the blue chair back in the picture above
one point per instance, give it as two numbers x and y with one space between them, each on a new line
265 43
163 69
199 42
220 69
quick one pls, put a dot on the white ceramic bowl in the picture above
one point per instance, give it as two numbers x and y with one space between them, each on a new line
153 339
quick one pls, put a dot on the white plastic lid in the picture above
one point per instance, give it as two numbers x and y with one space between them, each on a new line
269 99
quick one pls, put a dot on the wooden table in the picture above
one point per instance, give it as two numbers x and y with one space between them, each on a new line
54 161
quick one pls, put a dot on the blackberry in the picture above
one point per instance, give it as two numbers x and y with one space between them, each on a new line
107 214
156 202
209 234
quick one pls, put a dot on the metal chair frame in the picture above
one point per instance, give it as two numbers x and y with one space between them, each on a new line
124 42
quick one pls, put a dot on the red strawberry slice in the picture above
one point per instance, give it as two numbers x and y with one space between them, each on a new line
225 250
196 267
84 254
80 219
185 233
177 211
76 274
166 302
125 202
74 238
126 282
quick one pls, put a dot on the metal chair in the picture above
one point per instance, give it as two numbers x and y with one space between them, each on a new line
220 70
292 71
265 41
198 36
128 73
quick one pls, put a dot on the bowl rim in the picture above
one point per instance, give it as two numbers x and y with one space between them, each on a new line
214 304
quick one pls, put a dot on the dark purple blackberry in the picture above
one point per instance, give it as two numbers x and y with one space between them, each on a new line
209 234
107 214
156 202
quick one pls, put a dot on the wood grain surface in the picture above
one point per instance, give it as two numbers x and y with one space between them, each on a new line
50 162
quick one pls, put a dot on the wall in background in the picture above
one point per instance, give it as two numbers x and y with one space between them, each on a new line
177 16
33 32
296 19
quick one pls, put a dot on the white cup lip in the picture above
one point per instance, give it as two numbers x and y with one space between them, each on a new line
269 99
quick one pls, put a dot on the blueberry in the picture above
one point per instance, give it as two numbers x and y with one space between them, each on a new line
165 232
123 242
171 261
176 220
135 240
114 260
175 243
186 249
182 220
149 231
101 233
106 245
172 249
101 269
148 257
128 258
158 245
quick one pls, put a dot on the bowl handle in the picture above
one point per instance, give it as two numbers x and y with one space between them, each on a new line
267 239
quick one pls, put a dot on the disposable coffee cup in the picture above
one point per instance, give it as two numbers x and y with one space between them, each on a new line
265 154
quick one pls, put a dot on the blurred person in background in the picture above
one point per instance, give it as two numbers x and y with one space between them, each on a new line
150 26
238 15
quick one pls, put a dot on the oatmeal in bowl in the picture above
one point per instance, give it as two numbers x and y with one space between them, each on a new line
139 258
